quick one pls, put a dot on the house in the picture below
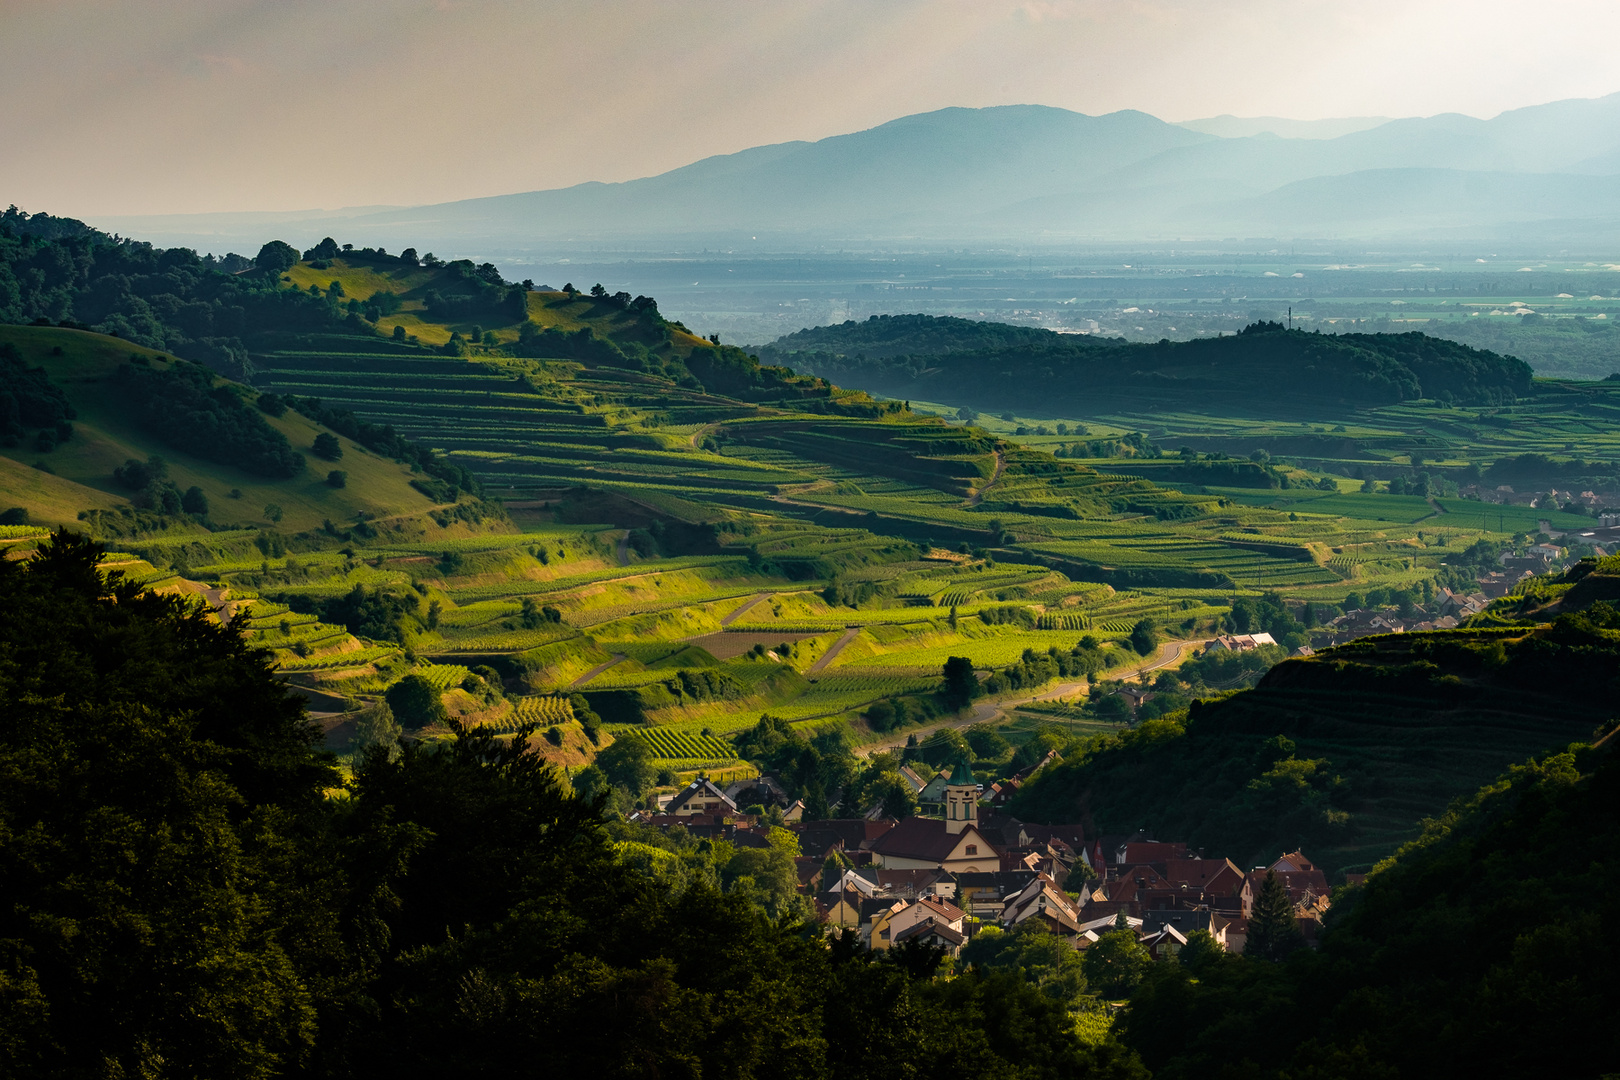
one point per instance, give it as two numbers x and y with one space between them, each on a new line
1139 850
888 927
1240 642
1307 886
873 911
1201 880
914 780
935 933
700 797
809 873
1292 862
1185 922
1136 696
985 893
914 884
764 790
1042 900
953 843
1092 929
1163 943
933 793
852 880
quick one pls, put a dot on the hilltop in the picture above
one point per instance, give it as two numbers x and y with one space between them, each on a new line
993 366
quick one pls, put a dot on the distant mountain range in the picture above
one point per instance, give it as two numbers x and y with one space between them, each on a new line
1031 172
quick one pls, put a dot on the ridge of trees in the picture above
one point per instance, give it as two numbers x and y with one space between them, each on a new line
920 355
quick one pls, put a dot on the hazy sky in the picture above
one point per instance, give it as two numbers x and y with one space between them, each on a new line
128 106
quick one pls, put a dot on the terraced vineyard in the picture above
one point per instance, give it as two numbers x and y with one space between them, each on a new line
686 746
644 506
443 676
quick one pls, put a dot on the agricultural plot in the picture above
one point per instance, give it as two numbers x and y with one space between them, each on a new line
443 676
335 661
801 500
544 710
992 650
669 743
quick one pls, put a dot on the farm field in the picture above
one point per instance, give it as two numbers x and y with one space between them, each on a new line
635 529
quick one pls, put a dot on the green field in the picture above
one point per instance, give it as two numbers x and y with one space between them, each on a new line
645 512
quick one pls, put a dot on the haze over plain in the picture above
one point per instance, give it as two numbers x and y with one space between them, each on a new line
261 107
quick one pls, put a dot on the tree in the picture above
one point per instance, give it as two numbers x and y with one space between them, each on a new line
337 478
1201 951
961 685
376 727
1144 639
628 763
1116 963
815 803
142 885
415 702
276 257
1273 929
194 501
328 447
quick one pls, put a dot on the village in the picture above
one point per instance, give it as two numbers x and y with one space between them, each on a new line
963 865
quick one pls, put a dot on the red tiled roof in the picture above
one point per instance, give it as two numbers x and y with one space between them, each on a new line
925 839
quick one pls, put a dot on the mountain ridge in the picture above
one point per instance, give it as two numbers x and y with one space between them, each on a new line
1036 170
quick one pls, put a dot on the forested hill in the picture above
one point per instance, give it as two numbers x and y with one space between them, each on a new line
59 270
961 361
885 336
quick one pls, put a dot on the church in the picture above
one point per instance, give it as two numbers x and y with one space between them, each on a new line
951 843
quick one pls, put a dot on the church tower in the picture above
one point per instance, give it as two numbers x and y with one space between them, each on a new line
961 799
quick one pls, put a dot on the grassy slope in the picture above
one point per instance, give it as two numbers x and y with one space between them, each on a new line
104 438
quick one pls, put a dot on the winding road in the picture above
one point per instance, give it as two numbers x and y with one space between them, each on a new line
1001 463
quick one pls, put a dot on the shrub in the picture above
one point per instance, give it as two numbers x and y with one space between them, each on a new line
337 478
328 447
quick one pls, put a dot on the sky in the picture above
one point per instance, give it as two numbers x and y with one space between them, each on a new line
127 107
